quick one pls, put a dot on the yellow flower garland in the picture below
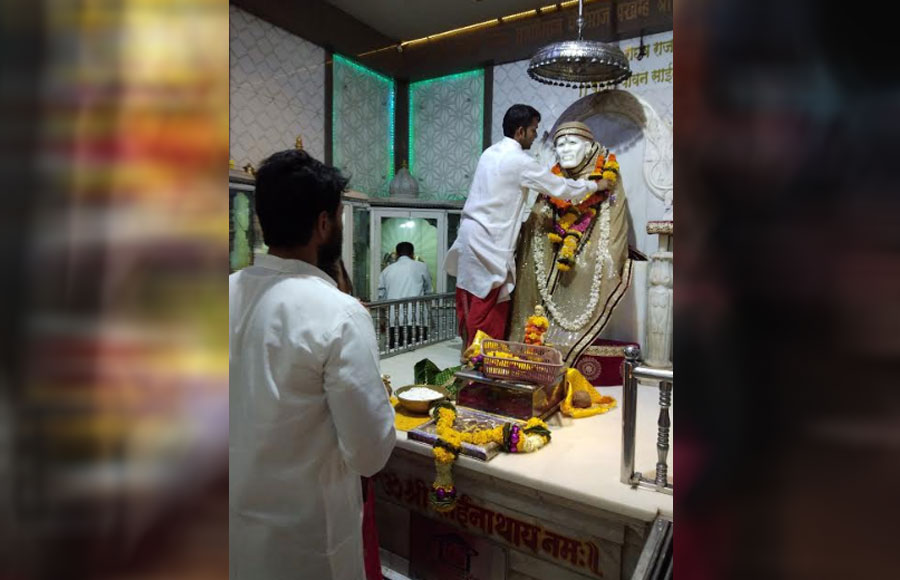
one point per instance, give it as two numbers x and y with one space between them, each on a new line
510 436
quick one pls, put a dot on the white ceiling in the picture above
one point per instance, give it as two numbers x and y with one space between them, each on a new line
410 19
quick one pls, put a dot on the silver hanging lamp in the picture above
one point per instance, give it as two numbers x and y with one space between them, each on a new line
580 63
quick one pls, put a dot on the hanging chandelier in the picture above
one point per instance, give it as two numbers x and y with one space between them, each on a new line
580 63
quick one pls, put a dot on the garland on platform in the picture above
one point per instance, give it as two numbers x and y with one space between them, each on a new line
511 437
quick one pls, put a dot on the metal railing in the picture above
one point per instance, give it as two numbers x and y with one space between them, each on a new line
409 323
666 379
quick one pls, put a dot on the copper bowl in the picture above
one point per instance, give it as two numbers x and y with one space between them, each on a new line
421 407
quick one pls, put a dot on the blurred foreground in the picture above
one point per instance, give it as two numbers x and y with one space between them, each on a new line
115 406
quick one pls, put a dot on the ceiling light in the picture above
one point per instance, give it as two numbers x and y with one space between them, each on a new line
580 63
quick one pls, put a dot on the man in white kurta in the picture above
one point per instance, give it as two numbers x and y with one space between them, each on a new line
483 256
309 413
406 278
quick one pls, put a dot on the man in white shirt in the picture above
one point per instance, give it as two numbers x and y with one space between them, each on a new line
406 278
309 413
483 256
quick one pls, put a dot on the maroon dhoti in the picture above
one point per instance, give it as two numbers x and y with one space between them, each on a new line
371 557
485 314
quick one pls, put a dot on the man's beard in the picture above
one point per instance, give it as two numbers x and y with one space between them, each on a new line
330 252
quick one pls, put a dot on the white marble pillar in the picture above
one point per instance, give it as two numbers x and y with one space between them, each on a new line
660 306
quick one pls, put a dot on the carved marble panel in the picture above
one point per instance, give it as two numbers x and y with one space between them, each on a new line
446 134
363 127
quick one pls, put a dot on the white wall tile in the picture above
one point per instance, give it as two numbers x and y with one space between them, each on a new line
277 90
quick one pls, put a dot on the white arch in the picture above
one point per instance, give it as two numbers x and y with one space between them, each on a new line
658 146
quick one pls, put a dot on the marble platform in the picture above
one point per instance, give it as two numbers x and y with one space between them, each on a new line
583 459
559 513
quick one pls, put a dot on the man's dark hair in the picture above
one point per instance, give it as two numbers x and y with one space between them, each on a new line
292 189
405 249
518 116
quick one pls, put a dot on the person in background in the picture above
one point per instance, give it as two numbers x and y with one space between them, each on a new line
405 278
308 413
483 256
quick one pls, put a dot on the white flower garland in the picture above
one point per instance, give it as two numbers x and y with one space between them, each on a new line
602 257
532 443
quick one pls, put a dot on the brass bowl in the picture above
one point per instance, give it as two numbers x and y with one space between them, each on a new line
420 407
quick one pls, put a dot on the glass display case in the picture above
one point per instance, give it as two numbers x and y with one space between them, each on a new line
244 233
430 226
453 218
372 229
358 261
425 229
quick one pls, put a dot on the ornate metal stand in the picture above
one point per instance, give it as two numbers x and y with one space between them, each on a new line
633 372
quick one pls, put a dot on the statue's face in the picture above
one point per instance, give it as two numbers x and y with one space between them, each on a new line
570 150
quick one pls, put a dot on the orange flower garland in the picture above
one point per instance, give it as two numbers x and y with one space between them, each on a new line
573 220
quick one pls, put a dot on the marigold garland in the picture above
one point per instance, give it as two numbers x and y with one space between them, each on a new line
572 220
511 437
